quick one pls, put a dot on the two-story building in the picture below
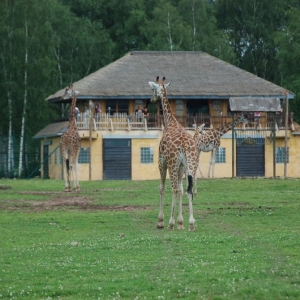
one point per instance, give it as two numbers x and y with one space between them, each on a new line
117 144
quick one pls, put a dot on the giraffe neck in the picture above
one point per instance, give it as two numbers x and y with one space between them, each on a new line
72 108
197 138
226 127
167 112
223 129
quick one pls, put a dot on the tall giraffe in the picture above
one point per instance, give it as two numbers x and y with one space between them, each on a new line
209 141
70 144
177 153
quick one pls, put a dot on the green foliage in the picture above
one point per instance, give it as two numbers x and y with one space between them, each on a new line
251 26
69 39
102 243
288 42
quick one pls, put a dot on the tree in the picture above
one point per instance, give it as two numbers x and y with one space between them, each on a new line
251 26
41 51
199 15
167 30
288 55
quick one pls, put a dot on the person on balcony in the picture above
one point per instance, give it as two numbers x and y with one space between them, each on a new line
97 112
76 113
146 113
139 114
256 118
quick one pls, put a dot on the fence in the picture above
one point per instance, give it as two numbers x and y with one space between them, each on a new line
9 166
122 121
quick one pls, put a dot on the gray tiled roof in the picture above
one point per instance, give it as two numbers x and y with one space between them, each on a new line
192 75
52 130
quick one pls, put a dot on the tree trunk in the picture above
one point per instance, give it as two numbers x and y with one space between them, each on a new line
57 56
9 104
24 105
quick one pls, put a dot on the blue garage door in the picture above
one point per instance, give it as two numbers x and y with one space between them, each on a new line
250 159
116 159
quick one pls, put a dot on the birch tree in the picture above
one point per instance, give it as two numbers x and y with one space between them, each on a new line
167 28
24 102
5 50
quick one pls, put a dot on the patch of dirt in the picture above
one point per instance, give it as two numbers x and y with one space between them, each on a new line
79 203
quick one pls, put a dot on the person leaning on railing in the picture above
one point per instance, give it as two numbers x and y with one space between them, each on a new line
97 112
139 114
257 117
146 113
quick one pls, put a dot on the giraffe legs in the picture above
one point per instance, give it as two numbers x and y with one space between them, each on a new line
195 189
160 223
212 164
172 218
190 199
75 177
199 167
180 225
176 173
163 174
191 218
66 173
179 195
69 167
74 167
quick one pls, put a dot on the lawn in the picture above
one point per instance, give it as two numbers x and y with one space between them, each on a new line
102 243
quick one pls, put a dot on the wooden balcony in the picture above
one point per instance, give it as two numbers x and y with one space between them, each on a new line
122 121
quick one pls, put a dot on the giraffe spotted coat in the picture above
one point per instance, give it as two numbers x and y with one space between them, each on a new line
177 153
70 145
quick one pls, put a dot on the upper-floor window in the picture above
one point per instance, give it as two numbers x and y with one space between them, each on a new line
179 107
116 106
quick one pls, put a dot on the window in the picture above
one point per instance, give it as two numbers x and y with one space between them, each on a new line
179 107
280 154
138 103
116 106
146 155
84 156
221 156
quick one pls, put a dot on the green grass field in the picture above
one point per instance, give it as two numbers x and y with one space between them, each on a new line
102 243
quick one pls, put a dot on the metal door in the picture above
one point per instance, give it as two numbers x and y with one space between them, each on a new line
250 159
117 159
46 161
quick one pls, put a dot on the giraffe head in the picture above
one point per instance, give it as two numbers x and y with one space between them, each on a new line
241 119
69 92
91 104
201 127
199 131
158 89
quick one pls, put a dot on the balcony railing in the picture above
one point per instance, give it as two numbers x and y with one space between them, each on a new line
122 121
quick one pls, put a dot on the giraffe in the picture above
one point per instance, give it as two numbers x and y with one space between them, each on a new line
177 153
209 141
70 144
197 136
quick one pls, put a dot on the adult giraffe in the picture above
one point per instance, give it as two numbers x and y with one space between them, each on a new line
177 153
210 141
70 144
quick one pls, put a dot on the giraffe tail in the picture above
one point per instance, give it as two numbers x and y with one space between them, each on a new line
68 165
190 185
